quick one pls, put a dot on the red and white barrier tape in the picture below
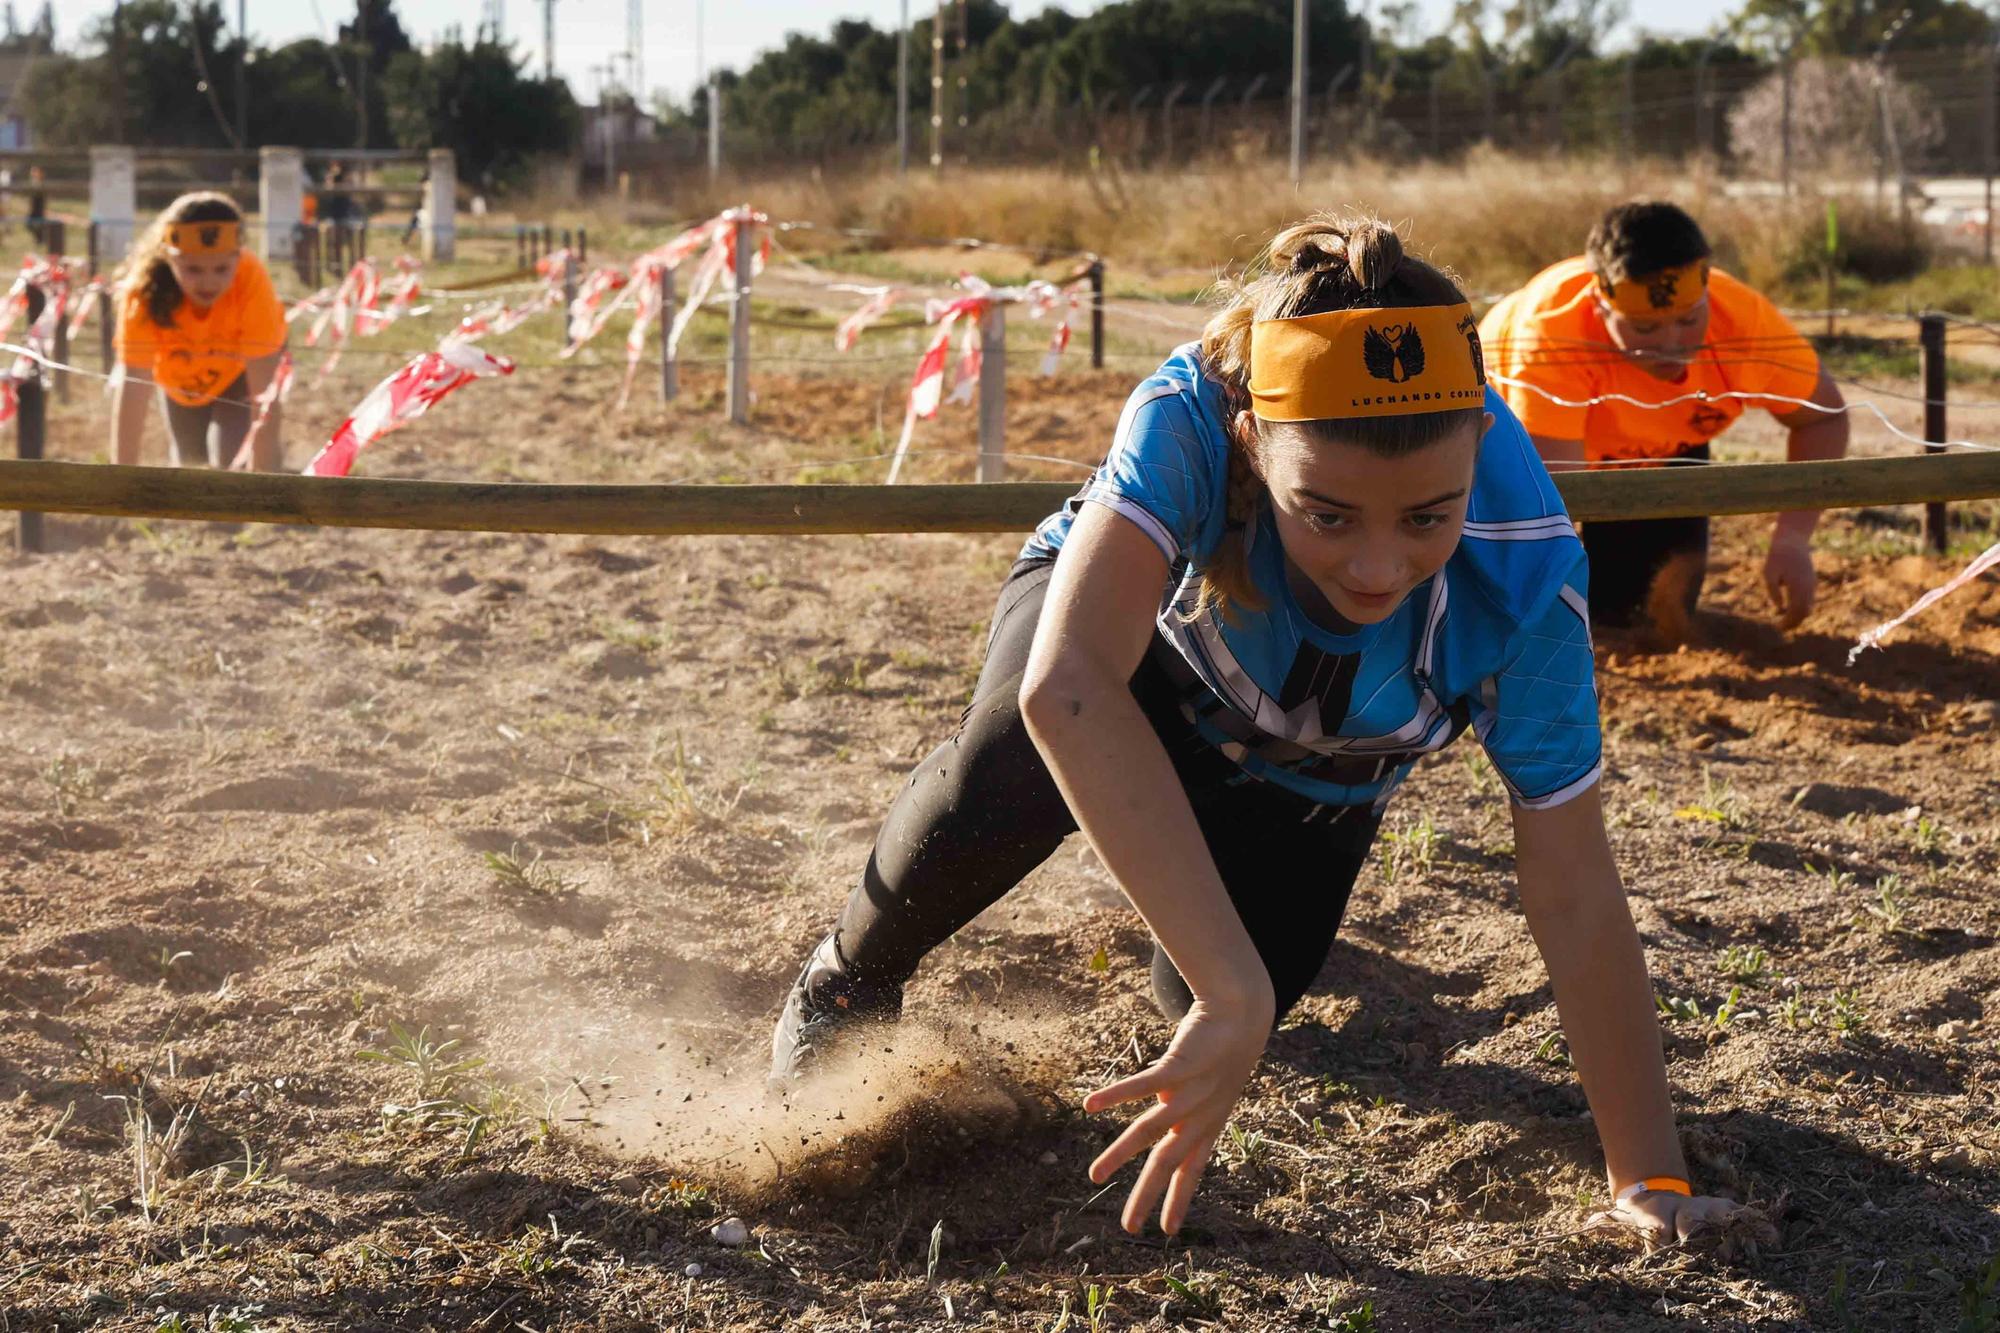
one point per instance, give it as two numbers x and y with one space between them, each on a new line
719 264
880 301
402 398
274 393
1988 559
927 385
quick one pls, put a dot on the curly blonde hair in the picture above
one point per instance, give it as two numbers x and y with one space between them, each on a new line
149 273
1327 262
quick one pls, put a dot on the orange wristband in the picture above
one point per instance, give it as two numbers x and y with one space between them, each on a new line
1667 1184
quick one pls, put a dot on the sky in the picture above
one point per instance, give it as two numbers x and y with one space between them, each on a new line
591 32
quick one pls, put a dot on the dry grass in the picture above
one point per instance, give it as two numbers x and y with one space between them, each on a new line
1494 217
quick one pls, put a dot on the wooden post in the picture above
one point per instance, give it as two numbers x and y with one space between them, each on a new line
739 320
583 245
520 246
1097 314
59 353
670 371
30 428
1930 338
107 304
993 394
361 239
569 295
548 238
57 236
1989 107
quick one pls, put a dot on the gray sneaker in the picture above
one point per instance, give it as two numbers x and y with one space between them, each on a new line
825 1007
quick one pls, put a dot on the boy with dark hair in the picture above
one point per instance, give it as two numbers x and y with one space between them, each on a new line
1638 353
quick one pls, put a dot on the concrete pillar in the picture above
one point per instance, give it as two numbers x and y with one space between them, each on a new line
440 204
114 199
281 198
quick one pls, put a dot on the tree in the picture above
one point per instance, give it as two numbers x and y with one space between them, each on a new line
474 100
1835 119
1857 27
71 100
302 96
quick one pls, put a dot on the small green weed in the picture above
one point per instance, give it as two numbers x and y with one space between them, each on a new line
1846 1017
1361 1319
1745 965
1795 1013
436 1064
236 1319
73 781
1411 848
1890 908
1194 1294
1719 804
1247 1151
1554 1050
1979 1299
1097 1304
1681 1007
678 1196
530 879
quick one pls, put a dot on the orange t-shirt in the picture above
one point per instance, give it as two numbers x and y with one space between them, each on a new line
1547 341
203 351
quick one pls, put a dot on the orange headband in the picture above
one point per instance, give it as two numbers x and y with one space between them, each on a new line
205 238
1668 294
1366 363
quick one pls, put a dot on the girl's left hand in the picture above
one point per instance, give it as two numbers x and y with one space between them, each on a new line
1662 1217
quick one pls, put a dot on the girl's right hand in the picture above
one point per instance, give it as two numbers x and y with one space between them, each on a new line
1196 1084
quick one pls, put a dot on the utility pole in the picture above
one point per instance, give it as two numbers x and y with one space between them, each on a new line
118 69
242 77
903 92
548 40
635 48
937 86
1298 91
958 69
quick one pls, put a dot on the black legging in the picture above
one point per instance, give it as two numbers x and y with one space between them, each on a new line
982 812
1626 555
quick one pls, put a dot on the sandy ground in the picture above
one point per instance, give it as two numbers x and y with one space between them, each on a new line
391 924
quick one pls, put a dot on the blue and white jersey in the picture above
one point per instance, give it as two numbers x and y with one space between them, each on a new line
1498 641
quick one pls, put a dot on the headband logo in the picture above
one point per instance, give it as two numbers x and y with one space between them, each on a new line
1395 354
209 236
1660 288
1470 328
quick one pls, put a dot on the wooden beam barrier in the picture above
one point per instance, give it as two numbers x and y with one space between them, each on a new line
652 510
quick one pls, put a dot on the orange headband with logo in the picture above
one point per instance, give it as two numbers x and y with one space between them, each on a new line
1366 363
205 238
1668 294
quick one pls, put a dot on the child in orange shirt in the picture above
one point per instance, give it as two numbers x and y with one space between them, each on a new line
199 318
1640 351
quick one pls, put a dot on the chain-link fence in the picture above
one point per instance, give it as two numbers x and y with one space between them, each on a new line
1903 115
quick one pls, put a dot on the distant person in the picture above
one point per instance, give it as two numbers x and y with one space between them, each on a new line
336 205
197 317
1643 314
37 220
420 212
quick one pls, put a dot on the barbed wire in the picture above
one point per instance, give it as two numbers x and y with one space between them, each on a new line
1704 396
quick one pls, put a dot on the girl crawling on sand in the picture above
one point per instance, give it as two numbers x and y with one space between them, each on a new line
1319 549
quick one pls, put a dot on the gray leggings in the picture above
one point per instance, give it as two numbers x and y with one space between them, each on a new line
213 432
